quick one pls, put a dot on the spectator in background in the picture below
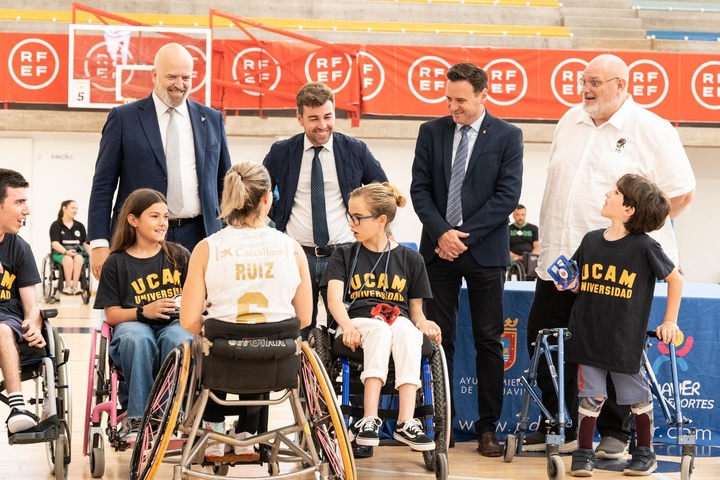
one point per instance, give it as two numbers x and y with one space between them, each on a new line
68 241
319 157
466 181
523 235
593 146
164 142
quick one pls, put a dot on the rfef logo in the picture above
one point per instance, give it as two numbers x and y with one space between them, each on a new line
648 83
99 67
329 67
256 67
507 81
706 85
372 74
564 81
427 77
33 64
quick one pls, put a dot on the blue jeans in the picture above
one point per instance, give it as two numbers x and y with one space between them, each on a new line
139 350
317 267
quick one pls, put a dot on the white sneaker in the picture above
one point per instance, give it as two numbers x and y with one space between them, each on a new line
68 291
129 429
215 449
249 450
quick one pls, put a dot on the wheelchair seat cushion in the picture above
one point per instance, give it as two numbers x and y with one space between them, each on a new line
30 354
252 358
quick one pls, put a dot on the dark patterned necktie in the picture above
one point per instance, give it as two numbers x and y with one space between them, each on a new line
453 213
321 237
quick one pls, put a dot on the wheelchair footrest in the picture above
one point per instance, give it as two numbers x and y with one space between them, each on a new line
46 430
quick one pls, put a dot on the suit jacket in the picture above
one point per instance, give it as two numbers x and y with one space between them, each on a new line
132 156
490 190
354 163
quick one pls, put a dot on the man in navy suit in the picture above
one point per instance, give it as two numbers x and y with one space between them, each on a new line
466 234
132 155
346 165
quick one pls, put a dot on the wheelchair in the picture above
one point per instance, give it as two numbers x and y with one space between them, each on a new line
672 410
104 379
432 401
49 369
243 359
53 279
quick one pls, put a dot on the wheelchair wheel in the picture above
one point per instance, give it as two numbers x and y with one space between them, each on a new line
48 280
686 467
510 447
161 414
62 456
318 341
85 284
327 428
97 388
442 470
441 404
555 467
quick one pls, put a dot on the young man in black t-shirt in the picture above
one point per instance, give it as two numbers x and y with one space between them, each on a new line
19 315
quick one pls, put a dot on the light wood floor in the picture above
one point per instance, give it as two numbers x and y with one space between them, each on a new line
29 461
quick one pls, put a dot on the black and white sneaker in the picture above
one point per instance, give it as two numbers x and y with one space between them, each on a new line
368 431
410 432
20 420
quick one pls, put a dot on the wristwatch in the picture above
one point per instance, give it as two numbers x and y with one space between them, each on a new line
140 317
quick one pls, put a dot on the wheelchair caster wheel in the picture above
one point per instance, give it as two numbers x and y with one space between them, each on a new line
686 467
441 467
510 448
555 467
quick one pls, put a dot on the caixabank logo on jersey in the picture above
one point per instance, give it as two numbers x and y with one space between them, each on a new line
509 341
697 397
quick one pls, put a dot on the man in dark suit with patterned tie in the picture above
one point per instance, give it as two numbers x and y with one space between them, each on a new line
134 153
335 163
466 181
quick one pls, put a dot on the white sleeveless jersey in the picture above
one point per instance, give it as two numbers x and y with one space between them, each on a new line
251 276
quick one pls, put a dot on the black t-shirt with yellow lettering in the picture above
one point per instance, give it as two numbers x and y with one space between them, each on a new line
130 282
399 276
610 316
19 270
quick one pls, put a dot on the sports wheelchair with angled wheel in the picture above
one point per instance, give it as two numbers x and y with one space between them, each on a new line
48 368
432 400
102 414
53 280
242 360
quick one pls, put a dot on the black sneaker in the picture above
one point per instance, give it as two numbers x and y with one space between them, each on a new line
360 451
583 462
643 462
410 432
368 431
20 420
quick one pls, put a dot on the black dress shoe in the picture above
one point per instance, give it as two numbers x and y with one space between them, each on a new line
488 445
361 451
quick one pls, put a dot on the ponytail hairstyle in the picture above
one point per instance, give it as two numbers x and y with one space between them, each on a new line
244 186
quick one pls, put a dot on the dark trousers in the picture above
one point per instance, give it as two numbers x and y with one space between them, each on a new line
317 267
551 309
187 235
485 294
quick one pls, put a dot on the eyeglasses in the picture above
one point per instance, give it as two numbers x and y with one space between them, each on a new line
356 219
594 83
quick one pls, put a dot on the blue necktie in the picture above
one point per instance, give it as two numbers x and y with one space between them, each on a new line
453 213
321 237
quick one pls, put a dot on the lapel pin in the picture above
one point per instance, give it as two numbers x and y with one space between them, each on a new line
202 119
484 132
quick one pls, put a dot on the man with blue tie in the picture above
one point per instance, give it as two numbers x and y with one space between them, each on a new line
164 142
466 181
313 174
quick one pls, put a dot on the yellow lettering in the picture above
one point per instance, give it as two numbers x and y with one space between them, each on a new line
7 280
610 274
152 280
139 286
627 279
398 283
268 272
370 280
597 271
